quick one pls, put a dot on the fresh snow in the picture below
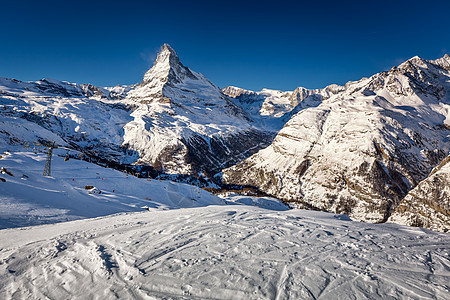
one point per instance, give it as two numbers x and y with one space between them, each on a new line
224 252
27 198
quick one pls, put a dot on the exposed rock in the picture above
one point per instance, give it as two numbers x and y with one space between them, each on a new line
428 204
269 104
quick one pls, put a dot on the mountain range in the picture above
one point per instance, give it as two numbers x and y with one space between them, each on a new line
376 149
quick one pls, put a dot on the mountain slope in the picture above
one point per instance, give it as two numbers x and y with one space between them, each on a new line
361 150
70 114
428 204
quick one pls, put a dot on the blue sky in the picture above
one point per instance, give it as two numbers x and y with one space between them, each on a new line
251 44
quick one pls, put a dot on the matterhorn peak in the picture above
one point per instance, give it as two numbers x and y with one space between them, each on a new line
168 68
167 56
167 47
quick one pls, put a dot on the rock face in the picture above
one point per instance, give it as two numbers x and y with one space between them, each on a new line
175 120
362 149
264 103
428 204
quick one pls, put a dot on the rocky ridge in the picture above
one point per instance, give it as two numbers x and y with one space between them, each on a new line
428 204
271 109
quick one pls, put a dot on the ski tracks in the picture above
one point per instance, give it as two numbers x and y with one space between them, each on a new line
232 253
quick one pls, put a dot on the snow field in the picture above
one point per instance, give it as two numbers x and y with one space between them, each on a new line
223 252
28 198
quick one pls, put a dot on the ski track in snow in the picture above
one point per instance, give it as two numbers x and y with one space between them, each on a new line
223 252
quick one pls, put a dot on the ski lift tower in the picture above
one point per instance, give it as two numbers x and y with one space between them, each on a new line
48 163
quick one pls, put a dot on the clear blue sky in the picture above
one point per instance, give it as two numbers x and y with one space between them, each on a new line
251 44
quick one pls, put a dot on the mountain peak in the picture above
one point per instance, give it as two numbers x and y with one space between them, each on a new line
167 55
167 47
167 67
443 62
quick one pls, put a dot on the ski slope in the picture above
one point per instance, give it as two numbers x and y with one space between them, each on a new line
27 198
223 252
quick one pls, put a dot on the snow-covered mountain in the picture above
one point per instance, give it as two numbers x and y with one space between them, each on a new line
361 150
175 120
271 109
78 116
183 123
264 103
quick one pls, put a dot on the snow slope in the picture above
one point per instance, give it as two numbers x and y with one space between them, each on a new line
361 150
50 110
27 198
190 244
223 252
